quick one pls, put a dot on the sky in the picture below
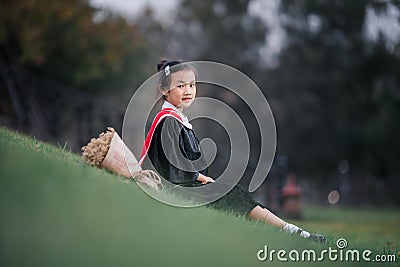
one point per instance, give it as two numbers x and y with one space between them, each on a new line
132 8
388 24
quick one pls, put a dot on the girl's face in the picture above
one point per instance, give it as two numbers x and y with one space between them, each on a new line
182 90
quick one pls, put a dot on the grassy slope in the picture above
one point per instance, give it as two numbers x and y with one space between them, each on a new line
58 211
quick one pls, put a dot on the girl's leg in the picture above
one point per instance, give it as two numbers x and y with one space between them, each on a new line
262 214
266 216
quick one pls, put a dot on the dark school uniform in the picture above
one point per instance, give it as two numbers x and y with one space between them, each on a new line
182 168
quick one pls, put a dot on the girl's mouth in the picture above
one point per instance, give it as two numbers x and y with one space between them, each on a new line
186 99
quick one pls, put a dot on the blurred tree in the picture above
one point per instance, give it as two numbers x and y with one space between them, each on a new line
155 36
221 31
73 43
338 92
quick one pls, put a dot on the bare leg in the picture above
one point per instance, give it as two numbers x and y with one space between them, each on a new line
266 216
262 214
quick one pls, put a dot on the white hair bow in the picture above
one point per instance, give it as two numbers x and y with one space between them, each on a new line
167 71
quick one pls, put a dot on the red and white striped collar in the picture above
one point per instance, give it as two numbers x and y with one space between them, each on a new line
168 110
185 120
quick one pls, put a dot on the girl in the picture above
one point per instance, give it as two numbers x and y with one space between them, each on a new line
172 136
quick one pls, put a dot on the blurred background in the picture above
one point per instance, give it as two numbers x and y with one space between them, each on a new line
329 69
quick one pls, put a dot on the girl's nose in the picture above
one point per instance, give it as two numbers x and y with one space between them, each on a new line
188 89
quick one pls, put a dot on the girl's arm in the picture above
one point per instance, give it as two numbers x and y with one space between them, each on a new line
204 179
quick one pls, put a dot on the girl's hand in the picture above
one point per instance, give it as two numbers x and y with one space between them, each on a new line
205 179
208 180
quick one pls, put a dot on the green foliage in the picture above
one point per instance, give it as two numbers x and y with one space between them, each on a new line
72 43
57 210
339 92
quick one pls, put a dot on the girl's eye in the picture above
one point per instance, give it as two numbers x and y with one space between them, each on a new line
180 86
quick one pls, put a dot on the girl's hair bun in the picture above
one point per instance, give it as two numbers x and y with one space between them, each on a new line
161 64
164 63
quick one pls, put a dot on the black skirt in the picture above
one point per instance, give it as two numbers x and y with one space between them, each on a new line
237 201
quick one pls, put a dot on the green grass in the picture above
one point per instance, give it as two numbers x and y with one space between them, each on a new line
55 210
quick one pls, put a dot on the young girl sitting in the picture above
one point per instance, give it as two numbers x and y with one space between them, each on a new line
172 135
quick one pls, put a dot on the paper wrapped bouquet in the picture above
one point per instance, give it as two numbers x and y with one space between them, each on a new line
109 152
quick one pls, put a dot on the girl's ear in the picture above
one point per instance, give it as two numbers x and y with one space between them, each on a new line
162 91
